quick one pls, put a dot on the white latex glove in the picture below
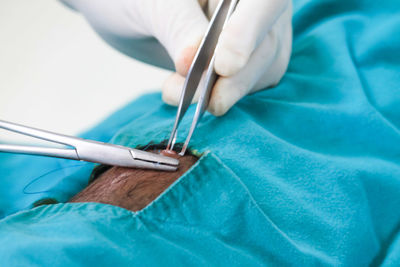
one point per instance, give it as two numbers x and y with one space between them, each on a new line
252 54
154 31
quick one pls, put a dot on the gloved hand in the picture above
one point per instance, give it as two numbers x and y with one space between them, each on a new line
252 54
153 31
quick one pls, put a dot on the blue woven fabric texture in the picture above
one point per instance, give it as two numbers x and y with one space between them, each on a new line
306 173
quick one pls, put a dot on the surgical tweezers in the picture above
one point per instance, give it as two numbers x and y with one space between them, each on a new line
203 60
87 150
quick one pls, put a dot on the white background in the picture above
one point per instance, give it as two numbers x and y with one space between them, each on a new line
57 74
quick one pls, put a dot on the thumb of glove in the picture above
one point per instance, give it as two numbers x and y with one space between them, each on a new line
179 26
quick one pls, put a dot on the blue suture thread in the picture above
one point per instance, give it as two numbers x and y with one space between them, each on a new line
147 146
44 175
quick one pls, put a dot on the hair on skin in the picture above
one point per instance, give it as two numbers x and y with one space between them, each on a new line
132 189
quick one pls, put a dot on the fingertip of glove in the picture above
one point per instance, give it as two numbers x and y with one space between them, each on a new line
167 99
226 93
171 89
228 62
186 56
219 104
216 111
185 60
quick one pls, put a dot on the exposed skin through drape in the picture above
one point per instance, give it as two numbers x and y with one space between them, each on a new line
132 189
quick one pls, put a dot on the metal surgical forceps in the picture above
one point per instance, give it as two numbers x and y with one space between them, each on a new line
87 150
204 59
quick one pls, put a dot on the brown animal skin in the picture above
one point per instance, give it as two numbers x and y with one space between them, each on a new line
132 189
